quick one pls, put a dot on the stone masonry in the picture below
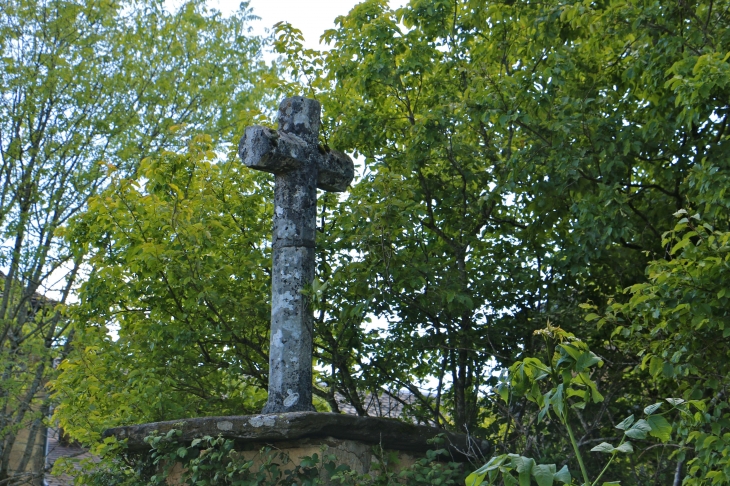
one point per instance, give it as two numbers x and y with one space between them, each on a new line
300 166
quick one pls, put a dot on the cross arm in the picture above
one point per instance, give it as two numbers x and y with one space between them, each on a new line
335 171
278 152
271 151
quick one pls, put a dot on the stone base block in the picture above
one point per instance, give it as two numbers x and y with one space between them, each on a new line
358 442
357 456
388 433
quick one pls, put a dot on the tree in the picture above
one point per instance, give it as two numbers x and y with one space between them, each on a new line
522 158
182 275
88 87
677 321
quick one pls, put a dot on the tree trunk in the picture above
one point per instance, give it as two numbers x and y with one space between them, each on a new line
35 428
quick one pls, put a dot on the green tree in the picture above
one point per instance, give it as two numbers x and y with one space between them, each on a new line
521 158
181 274
86 87
677 324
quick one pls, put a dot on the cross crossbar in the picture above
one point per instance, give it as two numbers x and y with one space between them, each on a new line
278 152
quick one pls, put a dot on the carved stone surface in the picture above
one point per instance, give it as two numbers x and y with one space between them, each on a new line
300 166
274 428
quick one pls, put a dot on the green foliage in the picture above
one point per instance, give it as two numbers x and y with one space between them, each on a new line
520 157
524 467
433 469
88 88
217 462
562 384
180 276
572 363
679 319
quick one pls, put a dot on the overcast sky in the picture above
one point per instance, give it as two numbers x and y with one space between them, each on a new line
312 17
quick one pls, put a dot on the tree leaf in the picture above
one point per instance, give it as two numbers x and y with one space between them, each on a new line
563 475
524 467
544 474
603 447
509 480
652 408
586 360
655 365
596 395
475 479
660 428
558 400
639 429
625 447
625 423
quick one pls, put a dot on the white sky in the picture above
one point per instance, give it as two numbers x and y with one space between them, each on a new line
312 17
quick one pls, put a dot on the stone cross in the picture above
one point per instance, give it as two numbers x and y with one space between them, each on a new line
300 166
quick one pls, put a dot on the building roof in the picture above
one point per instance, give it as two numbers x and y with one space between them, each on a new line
55 449
384 405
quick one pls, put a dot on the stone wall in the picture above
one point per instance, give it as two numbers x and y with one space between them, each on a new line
35 464
358 456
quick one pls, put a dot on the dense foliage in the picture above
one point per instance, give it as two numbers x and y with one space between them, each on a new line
180 276
87 88
525 158
524 164
677 323
559 385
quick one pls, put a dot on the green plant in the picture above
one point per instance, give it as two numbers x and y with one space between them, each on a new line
214 460
678 319
558 385
429 470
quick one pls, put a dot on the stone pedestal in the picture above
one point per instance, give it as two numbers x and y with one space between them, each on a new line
356 455
358 442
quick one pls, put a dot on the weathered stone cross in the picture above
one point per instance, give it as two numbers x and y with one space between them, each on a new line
301 166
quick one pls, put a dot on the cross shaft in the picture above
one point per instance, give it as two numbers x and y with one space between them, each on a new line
300 167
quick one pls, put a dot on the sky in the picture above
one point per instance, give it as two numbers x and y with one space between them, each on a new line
312 17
